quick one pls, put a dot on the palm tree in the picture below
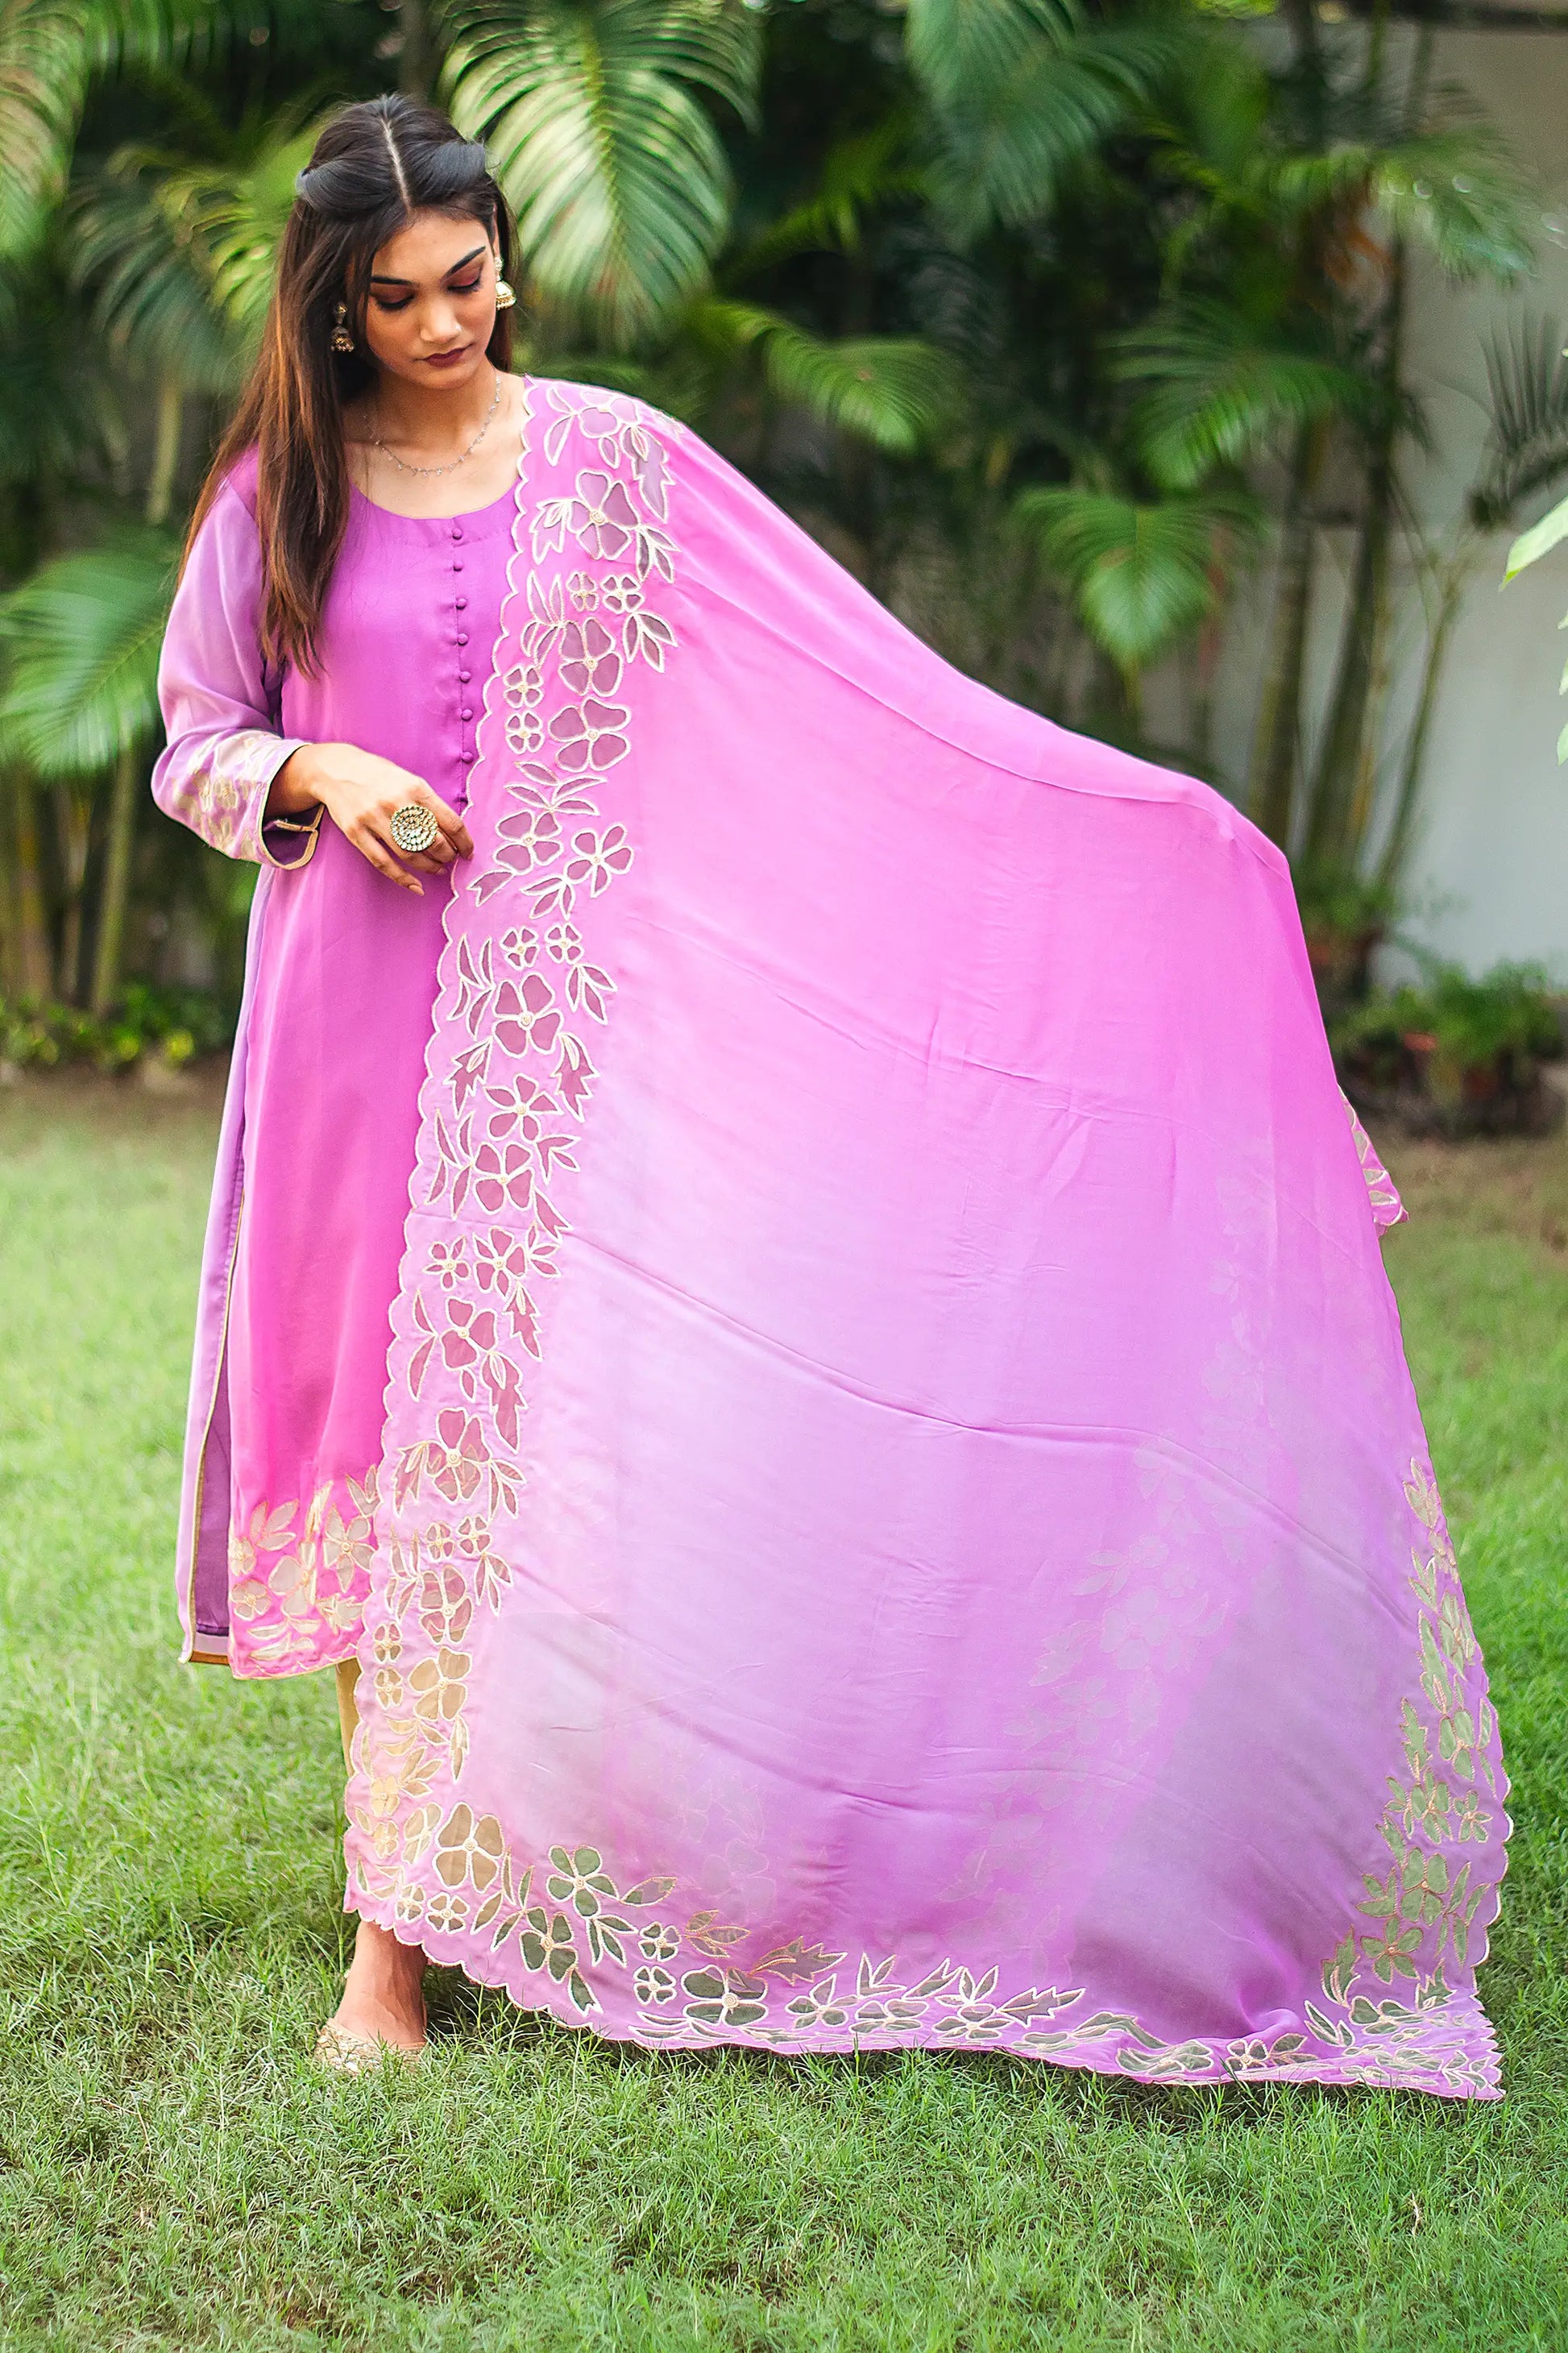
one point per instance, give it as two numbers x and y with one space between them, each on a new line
1006 298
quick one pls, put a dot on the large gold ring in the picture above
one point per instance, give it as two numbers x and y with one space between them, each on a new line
413 828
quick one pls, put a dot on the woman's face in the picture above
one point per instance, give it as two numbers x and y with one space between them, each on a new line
432 301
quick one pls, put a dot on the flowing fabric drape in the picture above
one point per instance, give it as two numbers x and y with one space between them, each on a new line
902 1516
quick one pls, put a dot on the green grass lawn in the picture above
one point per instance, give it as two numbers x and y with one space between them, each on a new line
175 2172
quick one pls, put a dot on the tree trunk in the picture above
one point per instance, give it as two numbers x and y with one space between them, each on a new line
1408 797
168 434
1344 749
33 960
116 881
1277 746
414 60
73 834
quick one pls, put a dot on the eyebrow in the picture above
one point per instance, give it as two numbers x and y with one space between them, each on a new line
377 281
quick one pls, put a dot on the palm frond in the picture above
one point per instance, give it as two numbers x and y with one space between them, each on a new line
50 51
1458 190
150 294
1141 573
1003 153
894 392
56 418
614 169
1211 391
1527 439
857 174
80 641
958 49
234 219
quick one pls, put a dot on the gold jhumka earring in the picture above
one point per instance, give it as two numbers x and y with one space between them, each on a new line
340 338
505 297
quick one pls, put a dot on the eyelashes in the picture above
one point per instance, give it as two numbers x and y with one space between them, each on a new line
472 286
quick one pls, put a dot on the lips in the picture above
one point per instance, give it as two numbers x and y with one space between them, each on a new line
445 359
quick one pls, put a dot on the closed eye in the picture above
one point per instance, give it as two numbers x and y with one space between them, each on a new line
382 302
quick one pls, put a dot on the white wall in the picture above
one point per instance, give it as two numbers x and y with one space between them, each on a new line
1488 877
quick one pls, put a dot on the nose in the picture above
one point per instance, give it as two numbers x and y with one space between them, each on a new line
441 322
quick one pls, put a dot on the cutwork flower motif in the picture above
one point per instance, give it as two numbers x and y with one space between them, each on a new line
622 593
520 946
499 1263
1471 1820
590 735
654 1986
590 660
445 1609
819 2007
470 1343
547 1943
456 1455
579 1879
470 1847
583 591
440 1685
266 1530
293 1580
523 686
525 732
532 837
346 1545
526 1015
601 518
249 1598
598 857
388 1688
1425 1808
502 1173
724 1998
448 1265
446 1913
973 2021
564 942
409 1904
385 1645
657 1943
529 1112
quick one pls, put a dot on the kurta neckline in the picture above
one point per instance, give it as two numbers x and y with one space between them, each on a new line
472 515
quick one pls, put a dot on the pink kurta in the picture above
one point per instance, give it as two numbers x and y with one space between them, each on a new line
823 1318
324 1108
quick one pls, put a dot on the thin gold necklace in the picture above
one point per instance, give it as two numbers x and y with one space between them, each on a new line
452 463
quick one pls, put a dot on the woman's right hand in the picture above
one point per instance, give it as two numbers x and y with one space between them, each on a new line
360 790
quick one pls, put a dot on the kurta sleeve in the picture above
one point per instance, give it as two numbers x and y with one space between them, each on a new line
220 704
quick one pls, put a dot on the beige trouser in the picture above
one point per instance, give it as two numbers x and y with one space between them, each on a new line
348 1714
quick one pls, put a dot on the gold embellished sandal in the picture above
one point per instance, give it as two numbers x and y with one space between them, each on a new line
358 2054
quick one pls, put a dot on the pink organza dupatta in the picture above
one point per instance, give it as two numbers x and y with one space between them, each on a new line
903 1517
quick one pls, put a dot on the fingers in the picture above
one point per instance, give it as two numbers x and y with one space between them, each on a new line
379 855
455 838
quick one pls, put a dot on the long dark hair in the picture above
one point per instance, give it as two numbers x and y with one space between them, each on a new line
373 168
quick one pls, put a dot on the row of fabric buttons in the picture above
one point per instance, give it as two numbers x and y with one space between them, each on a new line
469 754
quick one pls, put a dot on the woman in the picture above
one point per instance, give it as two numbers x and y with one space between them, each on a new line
789 1284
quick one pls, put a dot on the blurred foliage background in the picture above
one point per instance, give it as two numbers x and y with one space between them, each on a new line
1060 323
